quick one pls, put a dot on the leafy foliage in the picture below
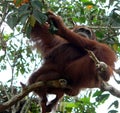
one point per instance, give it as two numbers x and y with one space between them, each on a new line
79 105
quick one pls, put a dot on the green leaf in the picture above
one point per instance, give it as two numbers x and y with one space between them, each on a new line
104 1
97 93
18 2
70 104
99 34
24 18
88 3
23 9
86 100
32 20
23 13
82 19
36 5
113 111
28 30
115 104
102 98
115 46
40 17
3 67
75 19
6 37
84 1
12 20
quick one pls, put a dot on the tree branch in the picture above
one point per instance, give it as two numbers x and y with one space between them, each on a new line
117 71
111 89
61 83
104 86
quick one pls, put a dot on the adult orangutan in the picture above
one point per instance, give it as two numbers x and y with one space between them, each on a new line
65 57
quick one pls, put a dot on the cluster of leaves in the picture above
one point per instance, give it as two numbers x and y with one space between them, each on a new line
21 15
15 54
102 17
26 15
87 103
85 12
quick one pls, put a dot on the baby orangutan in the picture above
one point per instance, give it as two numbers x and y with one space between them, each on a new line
65 57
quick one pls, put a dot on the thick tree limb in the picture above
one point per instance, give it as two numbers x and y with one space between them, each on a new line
61 83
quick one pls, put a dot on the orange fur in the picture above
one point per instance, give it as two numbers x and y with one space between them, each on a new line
65 58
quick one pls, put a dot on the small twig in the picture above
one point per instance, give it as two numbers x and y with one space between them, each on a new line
92 56
97 63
